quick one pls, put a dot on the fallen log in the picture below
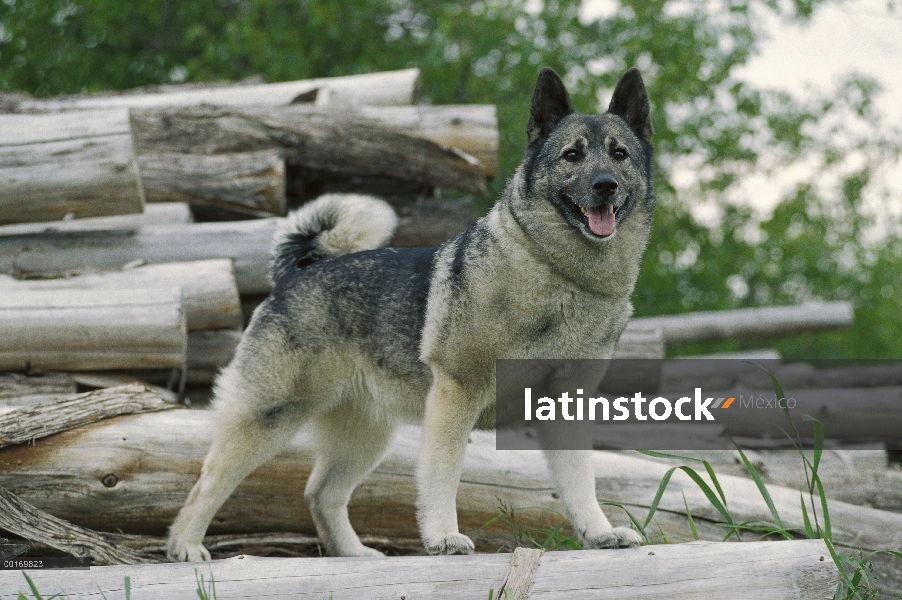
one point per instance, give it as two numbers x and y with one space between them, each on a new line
751 322
316 145
85 330
161 213
38 417
30 523
209 294
63 475
15 385
796 570
247 182
386 88
56 254
61 164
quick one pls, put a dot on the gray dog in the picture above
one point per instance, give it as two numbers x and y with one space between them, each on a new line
357 338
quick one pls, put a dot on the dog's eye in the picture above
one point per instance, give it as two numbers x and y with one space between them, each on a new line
572 155
619 154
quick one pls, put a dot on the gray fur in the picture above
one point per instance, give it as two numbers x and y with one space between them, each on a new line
356 343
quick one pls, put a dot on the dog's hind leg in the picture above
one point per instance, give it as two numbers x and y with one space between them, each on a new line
349 444
247 435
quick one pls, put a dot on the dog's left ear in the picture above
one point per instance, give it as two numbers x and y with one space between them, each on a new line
550 104
630 101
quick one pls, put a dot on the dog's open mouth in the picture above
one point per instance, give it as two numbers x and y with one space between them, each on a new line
601 220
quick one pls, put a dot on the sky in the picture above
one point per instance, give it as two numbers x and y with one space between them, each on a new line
842 38
808 59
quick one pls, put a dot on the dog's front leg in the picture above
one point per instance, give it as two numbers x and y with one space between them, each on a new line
449 419
574 479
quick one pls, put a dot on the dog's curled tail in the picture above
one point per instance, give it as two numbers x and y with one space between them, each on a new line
331 225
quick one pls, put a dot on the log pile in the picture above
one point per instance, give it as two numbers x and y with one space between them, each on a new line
107 275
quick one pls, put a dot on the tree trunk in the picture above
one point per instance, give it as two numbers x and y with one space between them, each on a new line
60 164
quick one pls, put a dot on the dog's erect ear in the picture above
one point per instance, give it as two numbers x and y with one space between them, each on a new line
550 104
630 101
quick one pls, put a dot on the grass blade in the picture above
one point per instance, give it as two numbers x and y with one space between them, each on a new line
654 503
34 588
691 522
809 530
753 472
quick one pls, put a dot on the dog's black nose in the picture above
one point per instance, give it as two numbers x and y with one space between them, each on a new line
604 186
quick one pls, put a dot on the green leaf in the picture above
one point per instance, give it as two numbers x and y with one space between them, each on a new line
691 522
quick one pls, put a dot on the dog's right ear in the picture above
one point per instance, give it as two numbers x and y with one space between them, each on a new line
550 104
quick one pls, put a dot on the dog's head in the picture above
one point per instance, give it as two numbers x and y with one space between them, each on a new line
594 170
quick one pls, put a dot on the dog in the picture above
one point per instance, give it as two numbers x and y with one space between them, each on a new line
357 337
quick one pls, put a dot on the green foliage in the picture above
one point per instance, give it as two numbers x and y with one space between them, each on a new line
719 141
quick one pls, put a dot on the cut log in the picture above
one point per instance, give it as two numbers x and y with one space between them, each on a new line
63 475
60 164
774 570
209 294
57 254
247 182
62 412
750 322
472 128
212 349
315 145
84 330
15 385
430 221
388 88
161 213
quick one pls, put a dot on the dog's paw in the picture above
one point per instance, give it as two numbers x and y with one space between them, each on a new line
187 553
619 537
453 543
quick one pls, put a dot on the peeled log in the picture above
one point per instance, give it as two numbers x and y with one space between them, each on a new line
55 254
321 145
162 213
386 88
209 293
59 164
156 459
247 182
81 330
773 570
750 322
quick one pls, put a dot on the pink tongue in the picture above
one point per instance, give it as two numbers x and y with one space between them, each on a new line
601 220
